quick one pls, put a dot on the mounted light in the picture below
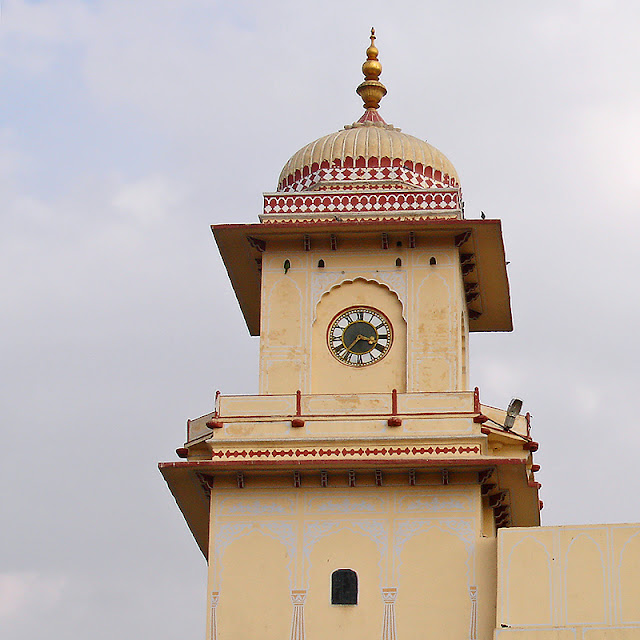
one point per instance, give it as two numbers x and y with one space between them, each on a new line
512 413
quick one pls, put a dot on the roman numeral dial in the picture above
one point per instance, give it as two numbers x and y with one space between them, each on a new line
359 336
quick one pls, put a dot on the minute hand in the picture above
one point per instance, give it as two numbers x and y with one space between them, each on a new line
358 338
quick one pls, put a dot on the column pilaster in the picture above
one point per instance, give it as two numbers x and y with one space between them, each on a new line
298 596
213 622
389 618
473 622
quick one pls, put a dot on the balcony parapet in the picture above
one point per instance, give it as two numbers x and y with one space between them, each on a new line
269 413
330 417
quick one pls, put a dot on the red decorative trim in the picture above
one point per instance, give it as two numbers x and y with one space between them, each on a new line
322 452
485 430
394 224
416 175
371 115
394 402
476 400
480 418
481 463
540 505
215 424
298 402
530 446
356 203
394 421
182 452
297 423
535 467
534 485
422 414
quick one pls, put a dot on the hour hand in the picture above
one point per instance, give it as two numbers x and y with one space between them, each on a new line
358 338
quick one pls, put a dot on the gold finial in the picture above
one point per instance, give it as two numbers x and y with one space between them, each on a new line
372 90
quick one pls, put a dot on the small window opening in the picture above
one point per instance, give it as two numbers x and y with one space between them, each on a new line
344 587
399 243
398 262
320 264
432 260
286 266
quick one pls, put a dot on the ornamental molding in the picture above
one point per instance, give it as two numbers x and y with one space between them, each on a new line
323 283
376 530
354 203
364 174
353 453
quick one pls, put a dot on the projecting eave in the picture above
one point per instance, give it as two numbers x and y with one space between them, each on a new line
186 480
480 245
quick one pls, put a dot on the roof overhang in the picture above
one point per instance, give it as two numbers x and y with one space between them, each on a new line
479 241
186 481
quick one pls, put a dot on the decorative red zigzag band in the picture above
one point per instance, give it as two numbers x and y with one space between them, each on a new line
281 453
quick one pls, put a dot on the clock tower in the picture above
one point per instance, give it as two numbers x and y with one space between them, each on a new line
359 494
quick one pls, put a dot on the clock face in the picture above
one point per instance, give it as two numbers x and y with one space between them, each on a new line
359 336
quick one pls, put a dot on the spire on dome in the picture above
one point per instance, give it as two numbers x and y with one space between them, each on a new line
371 90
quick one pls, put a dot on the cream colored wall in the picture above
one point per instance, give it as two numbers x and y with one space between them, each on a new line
271 543
328 375
425 303
585 579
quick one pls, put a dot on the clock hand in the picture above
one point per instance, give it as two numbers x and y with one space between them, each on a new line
361 337
358 338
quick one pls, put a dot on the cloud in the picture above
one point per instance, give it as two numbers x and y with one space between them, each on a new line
22 592
608 133
150 200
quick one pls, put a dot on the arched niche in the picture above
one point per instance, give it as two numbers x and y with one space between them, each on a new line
396 285
328 374
528 585
433 586
351 548
584 582
254 579
629 573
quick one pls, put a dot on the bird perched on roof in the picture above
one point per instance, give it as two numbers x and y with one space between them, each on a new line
482 215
